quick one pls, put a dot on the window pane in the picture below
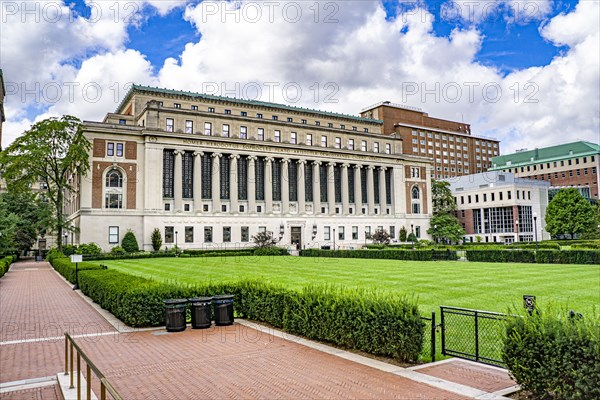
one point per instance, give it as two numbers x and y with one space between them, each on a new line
189 234
169 232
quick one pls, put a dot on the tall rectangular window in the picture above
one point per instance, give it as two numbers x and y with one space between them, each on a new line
327 233
245 234
293 138
388 148
170 125
113 234
207 129
226 234
388 186
169 234
350 144
260 134
363 145
392 232
224 177
376 187
188 175
323 141
323 182
363 185
189 126
376 147
119 149
308 182
243 132
292 179
338 142
208 234
260 179
277 136
225 132
351 185
110 149
168 173
355 233
189 234
206 177
276 169
308 139
242 174
341 233
337 179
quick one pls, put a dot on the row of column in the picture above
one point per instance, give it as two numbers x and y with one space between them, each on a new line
285 202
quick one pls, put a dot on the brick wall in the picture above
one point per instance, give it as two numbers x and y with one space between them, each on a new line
98 168
99 147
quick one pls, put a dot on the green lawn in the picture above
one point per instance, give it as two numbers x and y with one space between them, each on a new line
484 286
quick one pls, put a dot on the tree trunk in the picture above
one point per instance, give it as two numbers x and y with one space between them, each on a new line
59 217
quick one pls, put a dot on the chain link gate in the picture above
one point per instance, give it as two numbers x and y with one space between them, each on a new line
473 334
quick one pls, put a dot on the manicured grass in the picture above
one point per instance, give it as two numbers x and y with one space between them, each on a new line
484 286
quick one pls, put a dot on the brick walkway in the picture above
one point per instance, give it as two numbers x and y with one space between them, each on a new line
221 362
42 393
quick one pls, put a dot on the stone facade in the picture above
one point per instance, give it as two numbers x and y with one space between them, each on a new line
212 172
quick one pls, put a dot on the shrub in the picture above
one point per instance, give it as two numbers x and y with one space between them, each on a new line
493 255
554 357
156 239
270 251
417 255
380 236
54 253
69 249
5 264
530 256
264 239
66 268
129 243
370 321
90 249
117 250
402 234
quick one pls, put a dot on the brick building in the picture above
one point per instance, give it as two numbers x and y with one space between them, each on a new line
454 151
214 171
500 207
574 164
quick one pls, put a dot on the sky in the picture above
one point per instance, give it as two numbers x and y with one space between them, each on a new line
524 72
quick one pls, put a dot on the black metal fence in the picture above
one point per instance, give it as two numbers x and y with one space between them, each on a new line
429 336
473 334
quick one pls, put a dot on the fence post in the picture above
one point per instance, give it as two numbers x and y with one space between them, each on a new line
476 336
443 332
433 336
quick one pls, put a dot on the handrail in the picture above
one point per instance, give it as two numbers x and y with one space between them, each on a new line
105 385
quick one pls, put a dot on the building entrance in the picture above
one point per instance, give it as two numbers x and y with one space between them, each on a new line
296 238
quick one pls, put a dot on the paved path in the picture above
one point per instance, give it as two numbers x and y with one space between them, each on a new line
221 362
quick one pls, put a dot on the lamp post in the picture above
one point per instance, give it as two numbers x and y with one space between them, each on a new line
176 247
412 233
435 233
333 239
517 224
535 231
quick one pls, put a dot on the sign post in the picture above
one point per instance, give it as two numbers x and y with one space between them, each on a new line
76 258
529 303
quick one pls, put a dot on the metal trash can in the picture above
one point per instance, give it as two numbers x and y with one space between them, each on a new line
201 312
223 306
175 311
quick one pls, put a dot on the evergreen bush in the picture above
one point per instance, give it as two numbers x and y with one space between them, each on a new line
129 243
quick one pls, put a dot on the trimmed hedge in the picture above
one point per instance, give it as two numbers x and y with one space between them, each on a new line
190 253
417 255
542 257
554 357
5 264
66 268
378 323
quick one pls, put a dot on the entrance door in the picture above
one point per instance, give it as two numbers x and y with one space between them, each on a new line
296 238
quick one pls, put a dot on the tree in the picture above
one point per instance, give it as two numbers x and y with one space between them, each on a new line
264 240
402 234
156 239
8 222
445 227
442 198
129 243
570 213
33 216
381 237
53 151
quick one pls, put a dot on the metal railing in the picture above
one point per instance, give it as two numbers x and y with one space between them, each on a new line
429 339
69 370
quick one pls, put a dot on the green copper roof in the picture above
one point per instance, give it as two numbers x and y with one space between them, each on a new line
135 88
545 154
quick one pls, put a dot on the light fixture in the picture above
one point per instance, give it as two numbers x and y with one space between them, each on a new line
314 231
281 230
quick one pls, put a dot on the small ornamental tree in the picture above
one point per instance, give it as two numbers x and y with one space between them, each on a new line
380 236
156 239
129 243
264 240
402 234
569 213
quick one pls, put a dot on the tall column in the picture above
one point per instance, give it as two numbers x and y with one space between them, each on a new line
382 190
345 197
269 185
285 186
178 181
317 187
216 180
251 184
233 183
370 190
358 189
301 188
331 187
392 186
198 181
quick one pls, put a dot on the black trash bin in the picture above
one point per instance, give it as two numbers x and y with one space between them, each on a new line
201 312
223 306
175 314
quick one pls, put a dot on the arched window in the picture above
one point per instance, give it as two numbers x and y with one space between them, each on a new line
416 194
113 189
114 179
